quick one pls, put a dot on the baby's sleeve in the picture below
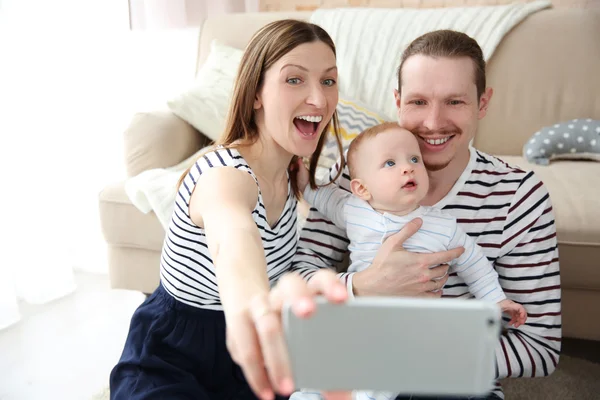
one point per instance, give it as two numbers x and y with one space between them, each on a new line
330 201
474 268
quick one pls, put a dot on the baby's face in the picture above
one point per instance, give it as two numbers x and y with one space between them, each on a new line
390 167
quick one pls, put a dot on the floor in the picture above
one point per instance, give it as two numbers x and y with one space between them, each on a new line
65 350
585 349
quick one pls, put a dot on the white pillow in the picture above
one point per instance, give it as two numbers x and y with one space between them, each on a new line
206 103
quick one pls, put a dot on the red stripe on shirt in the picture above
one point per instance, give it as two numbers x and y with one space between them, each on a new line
540 264
537 240
483 196
525 228
522 199
482 171
536 290
544 314
321 244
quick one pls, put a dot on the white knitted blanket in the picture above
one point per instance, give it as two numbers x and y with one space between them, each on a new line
369 41
156 189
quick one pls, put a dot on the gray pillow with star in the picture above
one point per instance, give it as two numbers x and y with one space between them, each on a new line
577 139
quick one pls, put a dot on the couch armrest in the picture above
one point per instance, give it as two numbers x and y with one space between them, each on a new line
159 139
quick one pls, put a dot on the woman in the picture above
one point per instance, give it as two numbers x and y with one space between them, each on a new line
233 234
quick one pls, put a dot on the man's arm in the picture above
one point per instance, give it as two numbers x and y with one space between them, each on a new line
322 244
529 275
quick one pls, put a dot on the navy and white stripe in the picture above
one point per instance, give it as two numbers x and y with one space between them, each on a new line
509 214
186 270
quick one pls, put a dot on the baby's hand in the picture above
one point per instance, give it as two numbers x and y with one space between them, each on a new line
301 174
516 311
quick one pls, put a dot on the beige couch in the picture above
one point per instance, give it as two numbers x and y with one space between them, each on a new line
544 71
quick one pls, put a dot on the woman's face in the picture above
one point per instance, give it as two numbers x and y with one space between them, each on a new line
298 97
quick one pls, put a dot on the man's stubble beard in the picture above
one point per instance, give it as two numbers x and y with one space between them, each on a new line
436 167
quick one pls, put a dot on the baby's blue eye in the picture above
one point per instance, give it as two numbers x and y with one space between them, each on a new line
414 159
389 163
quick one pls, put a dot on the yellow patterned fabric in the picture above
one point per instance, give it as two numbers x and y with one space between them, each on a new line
354 117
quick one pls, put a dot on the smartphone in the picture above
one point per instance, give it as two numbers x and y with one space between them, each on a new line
403 345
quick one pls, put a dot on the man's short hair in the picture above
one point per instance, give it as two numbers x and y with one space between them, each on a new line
447 43
363 136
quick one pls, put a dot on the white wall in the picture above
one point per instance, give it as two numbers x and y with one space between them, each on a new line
71 76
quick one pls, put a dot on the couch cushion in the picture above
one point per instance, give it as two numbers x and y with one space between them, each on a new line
206 103
124 225
353 118
573 188
159 139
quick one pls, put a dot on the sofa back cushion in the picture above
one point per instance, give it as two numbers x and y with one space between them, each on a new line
544 71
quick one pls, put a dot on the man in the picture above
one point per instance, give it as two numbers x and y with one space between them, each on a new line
441 96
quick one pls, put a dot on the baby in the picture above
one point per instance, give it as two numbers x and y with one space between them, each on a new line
388 181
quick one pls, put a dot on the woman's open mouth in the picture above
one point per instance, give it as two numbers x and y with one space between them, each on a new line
308 125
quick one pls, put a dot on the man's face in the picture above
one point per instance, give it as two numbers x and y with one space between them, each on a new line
438 103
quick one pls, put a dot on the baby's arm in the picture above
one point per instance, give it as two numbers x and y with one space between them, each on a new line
475 269
518 314
328 200
481 277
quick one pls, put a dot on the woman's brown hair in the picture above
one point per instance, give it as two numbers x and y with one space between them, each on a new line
265 48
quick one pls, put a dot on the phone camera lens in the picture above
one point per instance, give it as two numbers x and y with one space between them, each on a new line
491 322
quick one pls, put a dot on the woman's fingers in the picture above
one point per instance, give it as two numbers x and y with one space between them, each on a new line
245 350
337 395
263 356
292 288
265 314
325 282
267 321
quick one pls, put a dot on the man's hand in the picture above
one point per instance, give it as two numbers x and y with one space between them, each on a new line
397 272
517 312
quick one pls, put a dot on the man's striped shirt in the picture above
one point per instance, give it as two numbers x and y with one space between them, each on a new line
509 214
186 268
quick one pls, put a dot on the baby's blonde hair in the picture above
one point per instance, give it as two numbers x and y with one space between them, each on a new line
368 133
